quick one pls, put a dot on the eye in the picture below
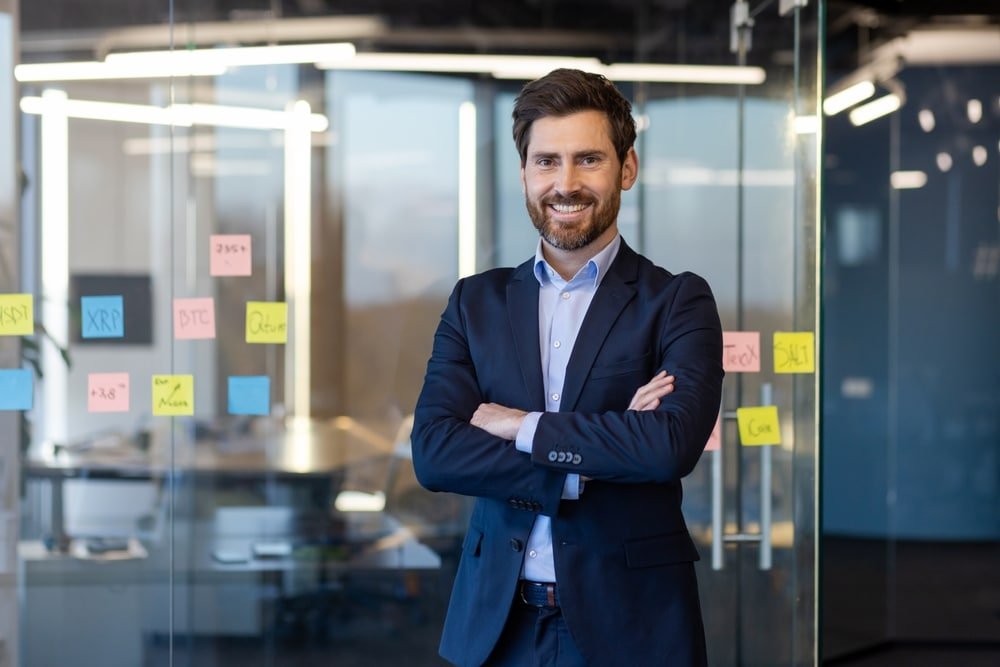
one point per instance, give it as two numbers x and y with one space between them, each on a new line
544 162
590 160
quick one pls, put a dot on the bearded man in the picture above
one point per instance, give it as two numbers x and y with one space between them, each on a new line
569 396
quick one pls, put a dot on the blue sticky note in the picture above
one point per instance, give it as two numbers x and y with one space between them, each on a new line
249 395
102 316
16 389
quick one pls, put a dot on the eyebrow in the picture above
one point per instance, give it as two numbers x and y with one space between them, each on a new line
576 155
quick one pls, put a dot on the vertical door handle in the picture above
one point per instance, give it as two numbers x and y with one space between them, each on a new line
719 538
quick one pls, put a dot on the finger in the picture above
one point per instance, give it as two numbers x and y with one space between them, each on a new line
659 387
650 405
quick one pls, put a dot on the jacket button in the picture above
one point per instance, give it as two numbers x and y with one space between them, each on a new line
536 507
577 458
512 502
515 544
562 457
552 456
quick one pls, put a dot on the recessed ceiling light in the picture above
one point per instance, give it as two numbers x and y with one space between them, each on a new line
979 155
944 161
974 108
926 119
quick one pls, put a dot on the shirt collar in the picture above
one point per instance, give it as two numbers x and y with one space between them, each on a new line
594 270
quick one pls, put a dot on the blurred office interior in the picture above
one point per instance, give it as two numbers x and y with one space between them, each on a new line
830 167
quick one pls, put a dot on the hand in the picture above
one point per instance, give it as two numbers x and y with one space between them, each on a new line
498 420
647 397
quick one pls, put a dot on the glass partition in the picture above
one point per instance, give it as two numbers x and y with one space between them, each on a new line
237 268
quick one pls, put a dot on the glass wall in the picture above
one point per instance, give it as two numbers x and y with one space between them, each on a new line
911 457
237 260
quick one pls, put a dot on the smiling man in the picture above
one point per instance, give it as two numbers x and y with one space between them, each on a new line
538 401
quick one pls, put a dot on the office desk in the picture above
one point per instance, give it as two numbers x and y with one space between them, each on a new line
84 598
311 456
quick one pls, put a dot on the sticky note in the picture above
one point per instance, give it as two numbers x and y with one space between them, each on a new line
173 395
759 426
16 389
741 351
230 254
794 352
102 316
107 392
194 318
17 315
267 322
715 439
249 394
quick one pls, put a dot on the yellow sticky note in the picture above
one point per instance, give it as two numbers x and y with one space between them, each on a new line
794 352
173 395
267 322
17 315
759 426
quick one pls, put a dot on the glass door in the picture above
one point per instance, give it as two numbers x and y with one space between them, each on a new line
729 191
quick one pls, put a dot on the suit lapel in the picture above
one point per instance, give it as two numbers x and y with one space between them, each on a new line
522 309
613 294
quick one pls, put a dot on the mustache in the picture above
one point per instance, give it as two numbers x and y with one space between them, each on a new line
567 201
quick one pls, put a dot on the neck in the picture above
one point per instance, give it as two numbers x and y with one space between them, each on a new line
568 262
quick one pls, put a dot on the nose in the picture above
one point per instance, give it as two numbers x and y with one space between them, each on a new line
567 180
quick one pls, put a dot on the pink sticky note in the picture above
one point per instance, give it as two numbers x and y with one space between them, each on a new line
194 318
715 440
107 392
741 351
230 254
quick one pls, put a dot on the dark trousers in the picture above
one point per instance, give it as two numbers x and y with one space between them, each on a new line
535 637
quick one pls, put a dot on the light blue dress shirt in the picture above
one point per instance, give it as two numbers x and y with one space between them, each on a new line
562 306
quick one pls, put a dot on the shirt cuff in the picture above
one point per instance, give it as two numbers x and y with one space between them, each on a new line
572 487
526 434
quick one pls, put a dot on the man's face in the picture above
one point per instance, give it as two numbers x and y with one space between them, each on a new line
573 180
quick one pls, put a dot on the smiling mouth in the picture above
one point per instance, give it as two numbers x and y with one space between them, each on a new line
568 208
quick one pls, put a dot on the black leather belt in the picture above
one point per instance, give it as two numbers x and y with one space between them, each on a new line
539 594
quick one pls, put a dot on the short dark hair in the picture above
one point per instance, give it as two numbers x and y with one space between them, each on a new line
563 92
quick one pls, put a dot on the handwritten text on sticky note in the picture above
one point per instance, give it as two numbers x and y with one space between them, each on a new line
759 426
715 439
173 395
741 351
16 391
230 255
102 316
794 352
107 392
17 315
249 394
267 322
194 318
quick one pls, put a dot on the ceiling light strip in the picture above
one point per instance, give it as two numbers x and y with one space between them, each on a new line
182 115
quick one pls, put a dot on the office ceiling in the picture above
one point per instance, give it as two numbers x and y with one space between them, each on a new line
614 30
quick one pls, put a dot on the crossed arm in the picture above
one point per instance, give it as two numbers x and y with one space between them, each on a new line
504 422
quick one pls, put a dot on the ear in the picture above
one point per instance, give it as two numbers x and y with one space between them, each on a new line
630 169
524 183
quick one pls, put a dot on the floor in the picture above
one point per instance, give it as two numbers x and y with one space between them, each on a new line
911 603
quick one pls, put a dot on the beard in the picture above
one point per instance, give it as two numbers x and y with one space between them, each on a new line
602 216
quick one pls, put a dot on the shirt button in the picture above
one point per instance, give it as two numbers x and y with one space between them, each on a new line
515 544
557 344
565 295
555 397
532 553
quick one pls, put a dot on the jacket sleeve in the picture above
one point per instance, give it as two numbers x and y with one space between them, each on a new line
657 445
449 453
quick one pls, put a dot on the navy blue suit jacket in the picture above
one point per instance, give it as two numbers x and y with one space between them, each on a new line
623 556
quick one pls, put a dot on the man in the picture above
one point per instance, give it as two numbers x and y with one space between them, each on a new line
534 402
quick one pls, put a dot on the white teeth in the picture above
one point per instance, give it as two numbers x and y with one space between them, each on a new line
563 208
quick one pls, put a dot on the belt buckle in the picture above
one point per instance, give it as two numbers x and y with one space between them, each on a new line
550 593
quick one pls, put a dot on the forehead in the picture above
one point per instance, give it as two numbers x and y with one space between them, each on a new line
573 132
